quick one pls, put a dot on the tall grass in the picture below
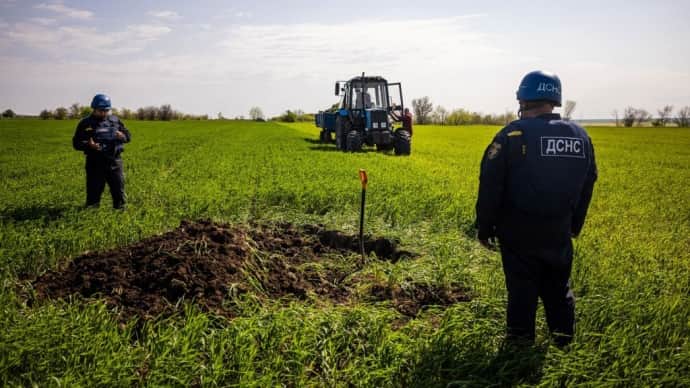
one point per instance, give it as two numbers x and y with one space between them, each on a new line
631 273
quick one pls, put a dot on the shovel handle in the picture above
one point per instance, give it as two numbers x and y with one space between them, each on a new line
363 178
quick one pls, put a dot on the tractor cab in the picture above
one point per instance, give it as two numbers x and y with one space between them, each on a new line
370 93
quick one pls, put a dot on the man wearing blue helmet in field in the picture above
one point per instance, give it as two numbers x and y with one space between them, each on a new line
535 185
101 136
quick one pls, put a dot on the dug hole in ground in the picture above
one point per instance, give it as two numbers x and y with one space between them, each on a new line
213 264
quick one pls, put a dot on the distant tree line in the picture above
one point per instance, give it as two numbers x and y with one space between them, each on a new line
291 116
162 113
424 111
637 116
426 114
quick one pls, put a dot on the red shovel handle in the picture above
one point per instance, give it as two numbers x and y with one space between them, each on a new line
363 178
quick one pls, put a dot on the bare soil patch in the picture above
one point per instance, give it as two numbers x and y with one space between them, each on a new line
213 264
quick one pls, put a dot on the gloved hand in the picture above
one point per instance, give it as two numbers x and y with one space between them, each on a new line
93 145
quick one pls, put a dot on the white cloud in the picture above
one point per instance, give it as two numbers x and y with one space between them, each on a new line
294 65
33 35
290 51
145 32
315 49
296 62
60 8
166 15
43 21
232 13
57 40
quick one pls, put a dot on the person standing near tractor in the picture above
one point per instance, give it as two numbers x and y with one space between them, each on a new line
407 121
101 136
535 186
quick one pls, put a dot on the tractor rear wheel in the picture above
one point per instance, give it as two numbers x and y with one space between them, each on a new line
325 137
342 128
402 142
354 141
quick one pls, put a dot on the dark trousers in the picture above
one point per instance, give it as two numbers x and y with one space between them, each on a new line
539 273
100 171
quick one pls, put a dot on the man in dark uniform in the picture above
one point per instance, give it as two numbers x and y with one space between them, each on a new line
101 137
535 186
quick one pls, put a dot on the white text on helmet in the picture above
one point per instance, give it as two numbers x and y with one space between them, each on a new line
548 87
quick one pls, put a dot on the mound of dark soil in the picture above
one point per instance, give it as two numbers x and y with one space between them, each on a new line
212 264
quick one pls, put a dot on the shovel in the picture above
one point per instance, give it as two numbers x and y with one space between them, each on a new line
363 178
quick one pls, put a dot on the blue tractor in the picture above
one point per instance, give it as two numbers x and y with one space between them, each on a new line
365 114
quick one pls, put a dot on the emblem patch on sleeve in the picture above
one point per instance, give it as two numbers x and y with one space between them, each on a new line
493 151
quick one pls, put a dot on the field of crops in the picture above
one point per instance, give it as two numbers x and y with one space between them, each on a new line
432 315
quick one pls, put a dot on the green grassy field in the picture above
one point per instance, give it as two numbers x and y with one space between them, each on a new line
631 273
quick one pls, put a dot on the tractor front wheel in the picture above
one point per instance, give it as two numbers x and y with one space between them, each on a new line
342 128
354 141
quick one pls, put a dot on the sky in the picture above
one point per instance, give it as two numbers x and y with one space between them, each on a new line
210 56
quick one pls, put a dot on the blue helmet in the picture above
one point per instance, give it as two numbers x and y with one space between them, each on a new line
100 101
540 85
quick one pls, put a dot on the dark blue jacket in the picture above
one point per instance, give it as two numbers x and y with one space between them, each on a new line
536 183
103 133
